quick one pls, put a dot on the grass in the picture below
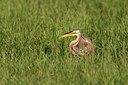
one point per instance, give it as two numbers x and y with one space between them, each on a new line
32 54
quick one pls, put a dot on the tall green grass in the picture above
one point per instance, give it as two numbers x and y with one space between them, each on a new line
31 53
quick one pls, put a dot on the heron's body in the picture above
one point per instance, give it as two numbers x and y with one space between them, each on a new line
81 45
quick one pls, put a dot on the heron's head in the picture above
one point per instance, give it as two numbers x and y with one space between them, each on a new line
71 33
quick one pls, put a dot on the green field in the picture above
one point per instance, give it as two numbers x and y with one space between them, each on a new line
32 54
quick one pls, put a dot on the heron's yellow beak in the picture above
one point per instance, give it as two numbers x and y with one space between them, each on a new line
66 35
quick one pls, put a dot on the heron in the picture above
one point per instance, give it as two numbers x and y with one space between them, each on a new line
81 45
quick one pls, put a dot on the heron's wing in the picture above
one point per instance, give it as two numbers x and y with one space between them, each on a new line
88 45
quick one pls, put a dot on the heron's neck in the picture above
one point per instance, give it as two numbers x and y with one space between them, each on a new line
76 41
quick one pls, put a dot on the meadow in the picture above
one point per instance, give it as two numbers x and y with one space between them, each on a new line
31 52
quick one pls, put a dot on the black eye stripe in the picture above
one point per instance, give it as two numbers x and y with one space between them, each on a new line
69 32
